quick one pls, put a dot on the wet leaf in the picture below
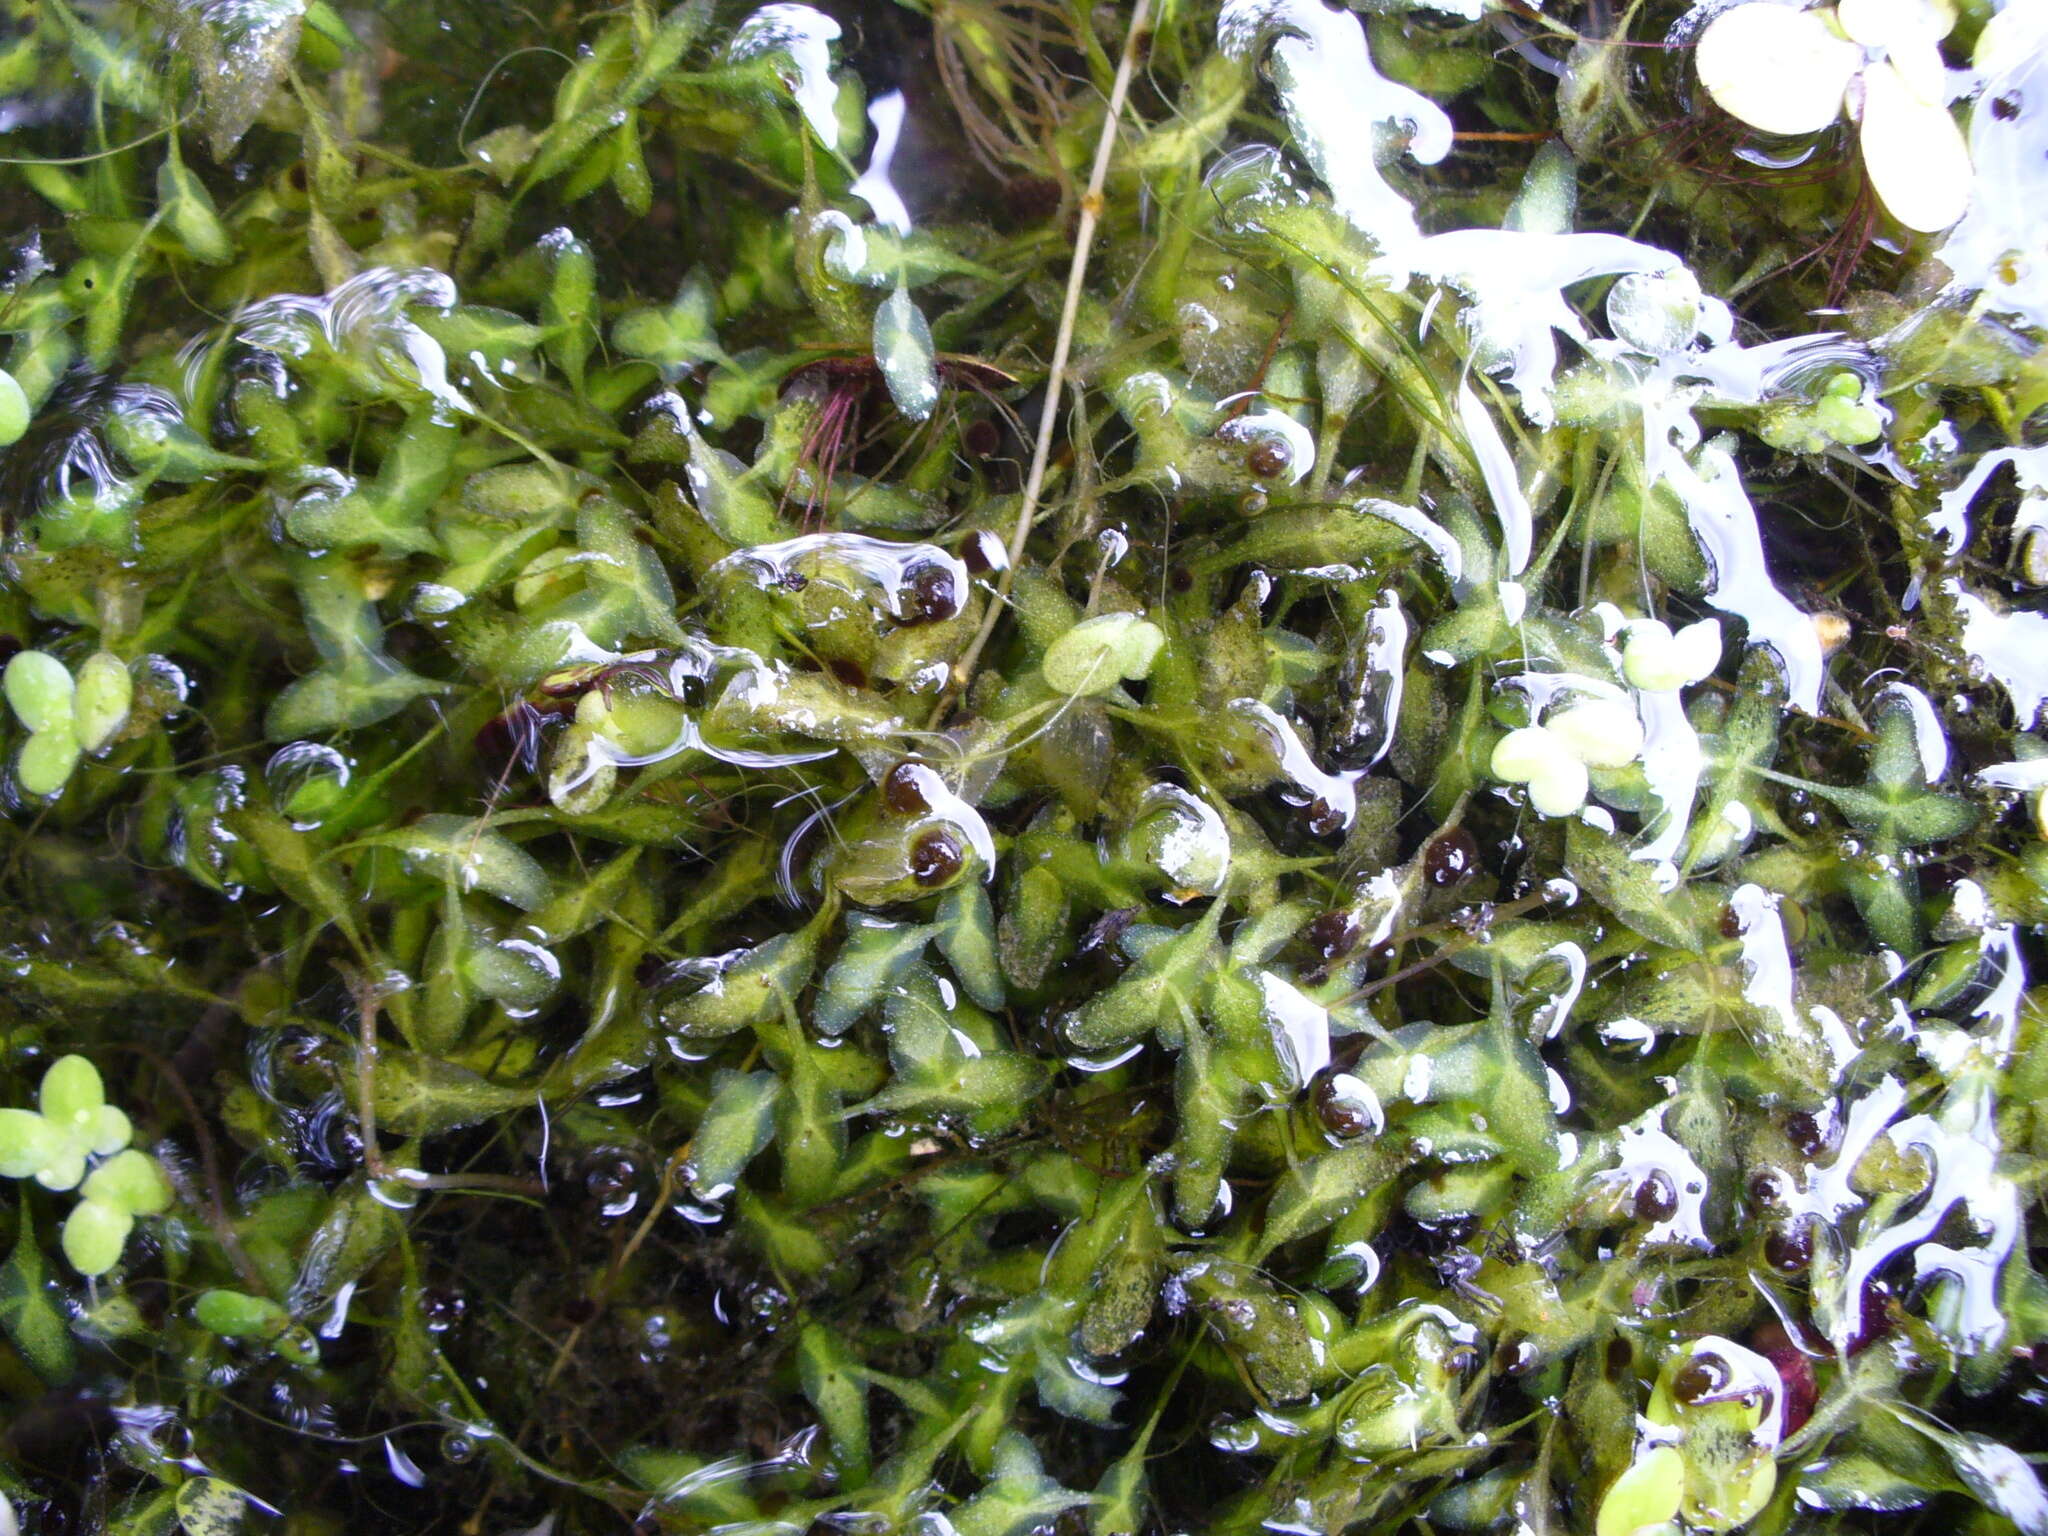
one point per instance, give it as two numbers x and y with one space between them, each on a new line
210 1506
29 1308
1624 885
469 856
736 1127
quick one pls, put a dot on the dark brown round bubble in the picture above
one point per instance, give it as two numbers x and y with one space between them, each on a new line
1656 1198
441 1307
1340 1116
1517 1356
610 1176
1767 1188
902 792
1789 1249
1621 1359
1269 458
1452 857
1803 1130
1324 819
935 858
1699 1379
982 438
1731 923
932 595
1333 935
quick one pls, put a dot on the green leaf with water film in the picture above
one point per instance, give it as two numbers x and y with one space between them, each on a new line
29 1309
468 856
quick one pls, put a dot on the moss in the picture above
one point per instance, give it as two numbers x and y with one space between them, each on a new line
771 858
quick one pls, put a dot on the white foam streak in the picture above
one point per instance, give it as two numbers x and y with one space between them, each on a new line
874 187
1646 1148
1950 520
1338 107
1503 486
1672 763
804 37
2011 647
1431 535
1724 522
1559 1007
1301 1024
1513 282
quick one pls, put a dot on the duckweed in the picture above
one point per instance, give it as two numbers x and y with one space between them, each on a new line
1007 768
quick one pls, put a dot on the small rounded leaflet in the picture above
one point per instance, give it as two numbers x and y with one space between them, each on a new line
1918 163
40 688
104 694
94 1235
14 409
1098 653
130 1181
1777 69
1601 733
28 1143
1539 758
1656 660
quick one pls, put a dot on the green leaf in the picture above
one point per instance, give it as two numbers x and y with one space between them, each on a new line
422 1096
1033 932
239 56
1154 991
390 513
676 335
210 1506
760 985
626 593
41 690
30 1310
1912 819
903 351
1625 886
495 341
1321 1189
468 855
299 866
1018 1497
47 761
358 683
188 209
871 958
129 1181
587 903
967 938
28 1143
71 1095
356 1230
568 307
106 692
94 1234
1854 1481
828 1372
1099 653
736 1127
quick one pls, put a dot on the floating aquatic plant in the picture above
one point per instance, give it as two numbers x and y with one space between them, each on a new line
1005 768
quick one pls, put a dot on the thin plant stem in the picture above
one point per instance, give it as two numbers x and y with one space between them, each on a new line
1055 379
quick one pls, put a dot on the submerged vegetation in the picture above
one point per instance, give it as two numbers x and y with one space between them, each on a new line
993 766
